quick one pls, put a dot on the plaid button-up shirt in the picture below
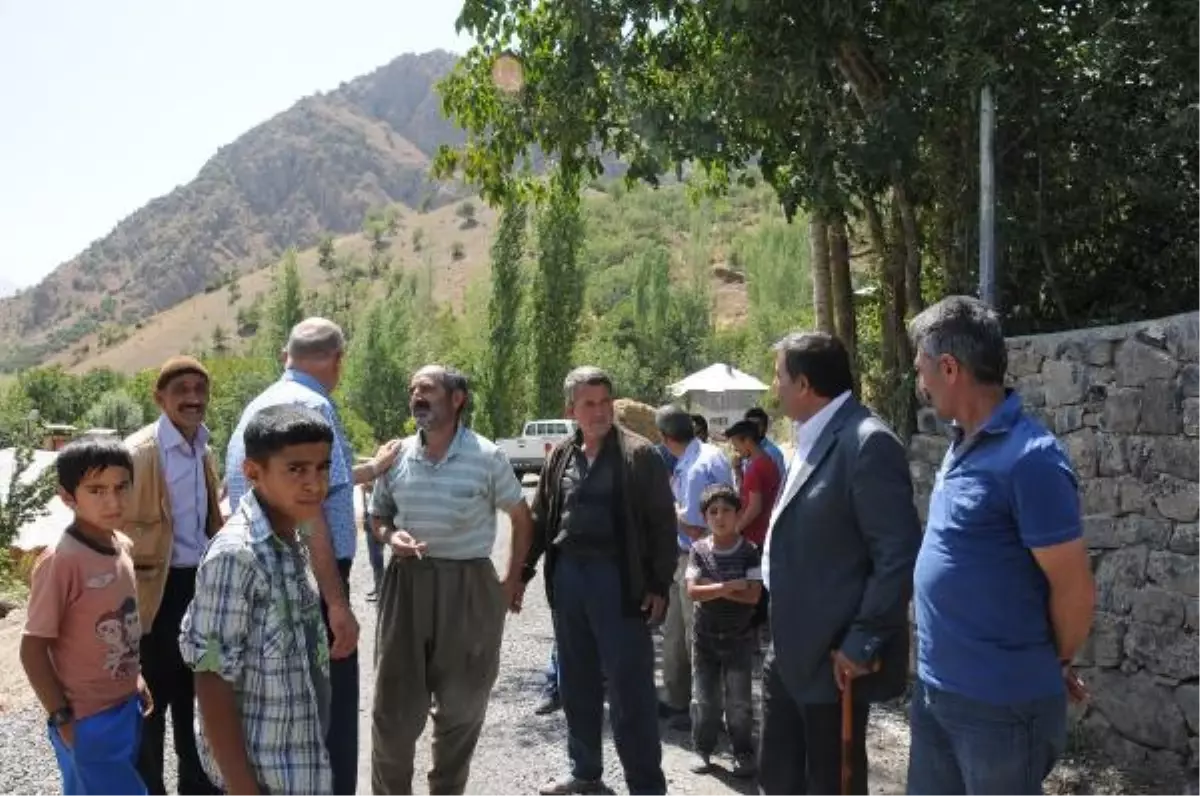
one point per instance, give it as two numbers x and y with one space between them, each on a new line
256 622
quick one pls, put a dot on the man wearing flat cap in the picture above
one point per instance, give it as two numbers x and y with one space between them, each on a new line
174 511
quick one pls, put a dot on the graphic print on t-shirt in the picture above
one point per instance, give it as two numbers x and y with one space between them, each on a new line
121 632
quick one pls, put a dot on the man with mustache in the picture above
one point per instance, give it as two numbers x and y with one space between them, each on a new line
604 520
312 368
173 511
441 607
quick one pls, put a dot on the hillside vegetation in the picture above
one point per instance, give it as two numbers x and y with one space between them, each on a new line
315 168
665 292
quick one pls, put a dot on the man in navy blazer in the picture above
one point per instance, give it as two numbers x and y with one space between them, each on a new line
838 563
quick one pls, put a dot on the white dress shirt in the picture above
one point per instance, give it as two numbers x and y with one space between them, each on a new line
806 435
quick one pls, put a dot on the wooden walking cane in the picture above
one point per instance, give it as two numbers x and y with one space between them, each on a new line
847 735
848 730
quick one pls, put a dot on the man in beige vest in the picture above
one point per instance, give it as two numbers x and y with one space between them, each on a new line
174 511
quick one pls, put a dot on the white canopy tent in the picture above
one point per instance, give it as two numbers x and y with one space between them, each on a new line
718 377
720 392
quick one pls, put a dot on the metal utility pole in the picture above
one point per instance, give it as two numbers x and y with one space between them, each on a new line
987 198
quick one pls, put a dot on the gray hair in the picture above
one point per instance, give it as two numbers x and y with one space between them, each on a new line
315 338
673 422
453 380
586 375
968 330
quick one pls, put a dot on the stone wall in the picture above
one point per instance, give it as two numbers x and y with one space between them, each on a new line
1124 401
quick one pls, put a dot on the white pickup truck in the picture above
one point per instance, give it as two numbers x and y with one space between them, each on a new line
527 453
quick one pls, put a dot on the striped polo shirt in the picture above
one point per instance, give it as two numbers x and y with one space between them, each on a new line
450 504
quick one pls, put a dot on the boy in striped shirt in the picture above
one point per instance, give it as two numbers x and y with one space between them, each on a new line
724 578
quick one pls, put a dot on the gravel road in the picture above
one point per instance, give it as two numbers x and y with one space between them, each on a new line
517 752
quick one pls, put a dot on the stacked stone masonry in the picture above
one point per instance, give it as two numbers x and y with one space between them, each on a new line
1125 402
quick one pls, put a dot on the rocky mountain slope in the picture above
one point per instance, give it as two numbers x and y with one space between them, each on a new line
318 167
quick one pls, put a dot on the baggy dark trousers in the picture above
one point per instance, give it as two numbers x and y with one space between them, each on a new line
437 646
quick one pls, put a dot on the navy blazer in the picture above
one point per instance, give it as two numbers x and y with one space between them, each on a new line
843 545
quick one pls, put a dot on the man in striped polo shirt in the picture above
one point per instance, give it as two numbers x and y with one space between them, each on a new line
441 607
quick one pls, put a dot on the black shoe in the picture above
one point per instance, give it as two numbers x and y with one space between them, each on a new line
666 711
744 766
551 703
680 722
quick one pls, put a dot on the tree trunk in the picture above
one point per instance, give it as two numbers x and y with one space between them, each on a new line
903 405
843 292
818 234
883 253
913 302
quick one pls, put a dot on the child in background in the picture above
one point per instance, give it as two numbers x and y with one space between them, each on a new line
253 634
82 635
724 578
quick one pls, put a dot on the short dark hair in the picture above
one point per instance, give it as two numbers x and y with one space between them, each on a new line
968 330
674 423
274 428
585 375
714 492
89 454
758 415
744 428
821 359
700 424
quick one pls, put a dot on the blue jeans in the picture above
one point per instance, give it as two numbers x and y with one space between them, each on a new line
550 689
960 745
104 757
598 642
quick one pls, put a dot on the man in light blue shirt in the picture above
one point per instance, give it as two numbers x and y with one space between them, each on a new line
312 370
698 466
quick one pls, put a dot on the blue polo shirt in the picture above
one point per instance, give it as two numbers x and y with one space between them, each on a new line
298 387
700 466
982 601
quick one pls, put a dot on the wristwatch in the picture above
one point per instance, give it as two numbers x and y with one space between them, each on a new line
63 715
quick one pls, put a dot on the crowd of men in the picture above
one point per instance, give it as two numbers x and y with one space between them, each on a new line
814 559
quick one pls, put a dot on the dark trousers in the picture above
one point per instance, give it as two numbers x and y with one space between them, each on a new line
721 688
374 554
172 688
800 745
960 745
342 740
598 642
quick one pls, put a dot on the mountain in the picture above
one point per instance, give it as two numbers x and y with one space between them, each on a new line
315 168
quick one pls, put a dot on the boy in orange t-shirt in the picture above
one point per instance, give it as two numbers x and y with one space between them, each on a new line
81 640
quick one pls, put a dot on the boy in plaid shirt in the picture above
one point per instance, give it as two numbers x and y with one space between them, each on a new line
253 634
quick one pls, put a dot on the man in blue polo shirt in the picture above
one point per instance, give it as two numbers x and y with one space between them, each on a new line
698 465
1002 588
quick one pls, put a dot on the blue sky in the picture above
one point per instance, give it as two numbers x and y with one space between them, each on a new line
110 103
